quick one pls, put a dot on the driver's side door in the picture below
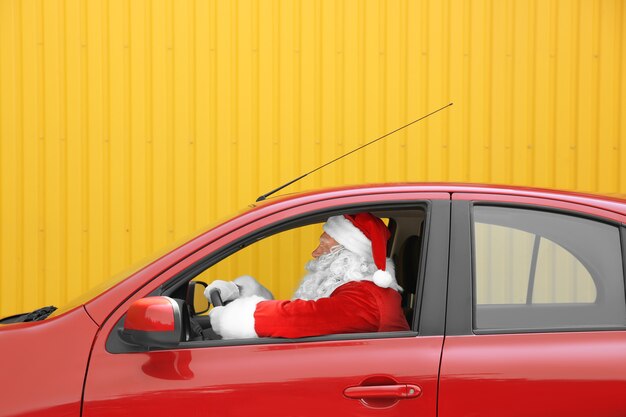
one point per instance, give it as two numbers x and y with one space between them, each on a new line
338 374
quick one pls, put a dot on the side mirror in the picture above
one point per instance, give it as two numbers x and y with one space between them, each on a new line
154 322
196 299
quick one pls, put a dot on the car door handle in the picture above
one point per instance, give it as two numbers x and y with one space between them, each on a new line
400 391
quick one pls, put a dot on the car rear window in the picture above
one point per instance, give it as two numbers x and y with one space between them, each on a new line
536 270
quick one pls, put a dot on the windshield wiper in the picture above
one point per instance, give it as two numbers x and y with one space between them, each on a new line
36 315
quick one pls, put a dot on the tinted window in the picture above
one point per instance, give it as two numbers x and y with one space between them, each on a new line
537 270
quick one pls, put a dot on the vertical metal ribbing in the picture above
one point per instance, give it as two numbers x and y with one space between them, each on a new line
538 87
21 290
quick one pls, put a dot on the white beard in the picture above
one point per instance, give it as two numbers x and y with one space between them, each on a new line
340 266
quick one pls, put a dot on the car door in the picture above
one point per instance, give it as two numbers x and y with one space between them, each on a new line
536 322
338 375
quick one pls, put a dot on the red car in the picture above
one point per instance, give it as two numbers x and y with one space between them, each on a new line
515 297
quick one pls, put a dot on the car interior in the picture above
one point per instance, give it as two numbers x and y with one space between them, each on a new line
404 247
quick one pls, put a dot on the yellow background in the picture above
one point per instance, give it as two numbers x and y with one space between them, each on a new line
127 124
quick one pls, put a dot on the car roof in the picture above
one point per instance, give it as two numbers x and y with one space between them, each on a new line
608 201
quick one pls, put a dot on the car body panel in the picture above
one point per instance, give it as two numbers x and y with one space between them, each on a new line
43 365
578 374
305 379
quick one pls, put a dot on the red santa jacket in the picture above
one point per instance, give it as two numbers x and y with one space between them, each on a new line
355 307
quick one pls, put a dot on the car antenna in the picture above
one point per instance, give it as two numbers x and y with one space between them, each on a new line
264 196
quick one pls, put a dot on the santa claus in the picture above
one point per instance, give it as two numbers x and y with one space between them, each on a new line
350 288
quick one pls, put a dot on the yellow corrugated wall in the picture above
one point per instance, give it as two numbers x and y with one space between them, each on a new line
127 124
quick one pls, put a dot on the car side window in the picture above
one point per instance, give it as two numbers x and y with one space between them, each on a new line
536 270
281 271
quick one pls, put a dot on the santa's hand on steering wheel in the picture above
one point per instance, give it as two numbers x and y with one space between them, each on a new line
243 286
228 290
244 290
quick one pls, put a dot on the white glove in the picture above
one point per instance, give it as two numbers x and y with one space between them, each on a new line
236 320
249 286
228 290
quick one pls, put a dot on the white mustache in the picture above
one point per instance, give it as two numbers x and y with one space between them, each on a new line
323 261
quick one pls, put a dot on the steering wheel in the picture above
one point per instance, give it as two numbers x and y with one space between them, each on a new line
216 298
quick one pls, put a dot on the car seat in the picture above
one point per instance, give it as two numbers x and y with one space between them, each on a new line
407 271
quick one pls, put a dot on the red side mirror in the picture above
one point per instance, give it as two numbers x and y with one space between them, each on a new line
154 322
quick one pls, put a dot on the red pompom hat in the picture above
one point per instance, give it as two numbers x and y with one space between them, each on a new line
366 235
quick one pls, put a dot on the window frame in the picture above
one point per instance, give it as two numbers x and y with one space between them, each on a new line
433 325
460 304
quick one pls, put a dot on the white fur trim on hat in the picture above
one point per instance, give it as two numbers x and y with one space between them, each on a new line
348 235
236 320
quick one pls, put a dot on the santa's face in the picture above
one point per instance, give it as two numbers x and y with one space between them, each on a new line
326 244
331 270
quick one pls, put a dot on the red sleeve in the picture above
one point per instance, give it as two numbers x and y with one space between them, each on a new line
351 308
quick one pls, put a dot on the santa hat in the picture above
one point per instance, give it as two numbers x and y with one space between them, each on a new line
366 235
